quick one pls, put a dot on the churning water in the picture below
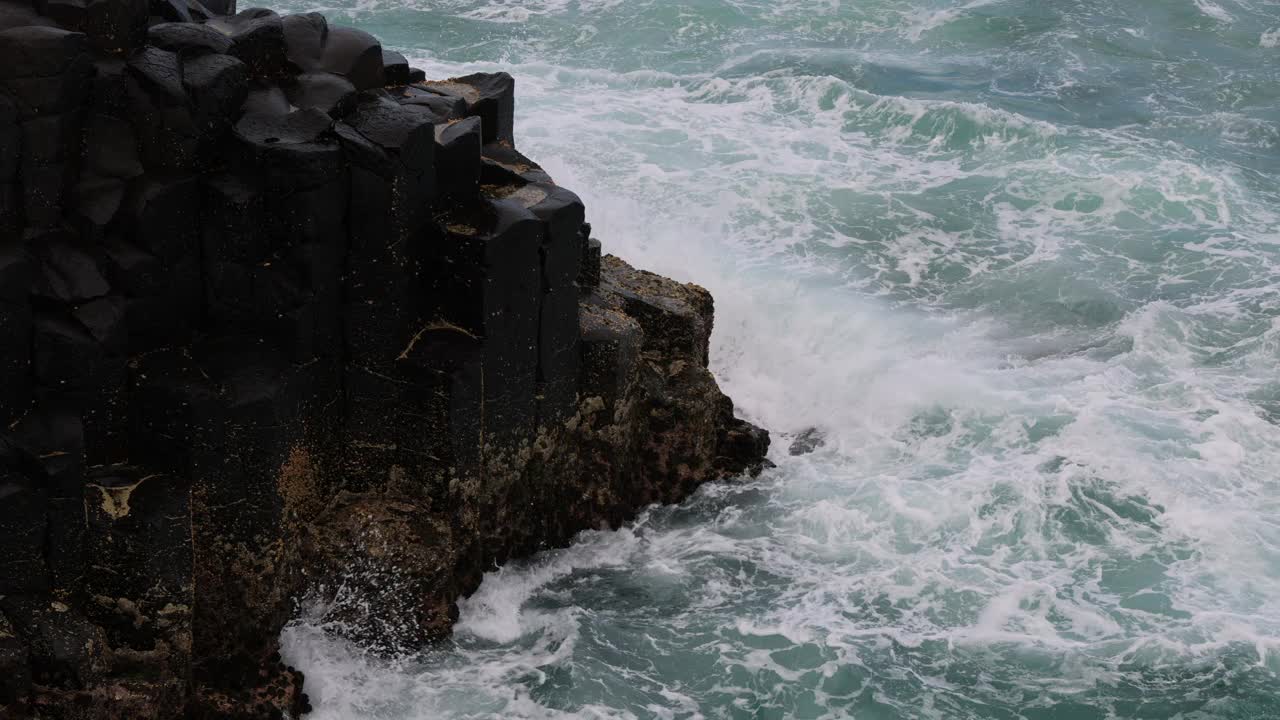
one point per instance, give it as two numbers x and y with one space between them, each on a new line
1020 259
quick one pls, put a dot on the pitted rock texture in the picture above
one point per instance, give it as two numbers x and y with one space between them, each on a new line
280 319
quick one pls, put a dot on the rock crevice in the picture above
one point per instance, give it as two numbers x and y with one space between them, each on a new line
280 318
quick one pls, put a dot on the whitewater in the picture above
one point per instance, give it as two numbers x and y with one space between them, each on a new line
1019 260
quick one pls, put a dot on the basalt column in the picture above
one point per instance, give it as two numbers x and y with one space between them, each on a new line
282 320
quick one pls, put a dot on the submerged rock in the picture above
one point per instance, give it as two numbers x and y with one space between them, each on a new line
280 319
807 441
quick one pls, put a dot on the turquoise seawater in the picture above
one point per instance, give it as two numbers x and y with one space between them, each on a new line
1019 259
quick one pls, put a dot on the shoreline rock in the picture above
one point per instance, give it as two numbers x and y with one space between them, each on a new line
283 319
807 441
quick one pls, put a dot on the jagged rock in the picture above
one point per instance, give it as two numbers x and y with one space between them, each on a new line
398 132
288 152
10 210
15 669
15 323
51 438
807 441
70 274
610 342
111 160
160 209
290 128
65 649
15 274
133 271
458 157
135 520
503 164
354 54
305 37
486 279
67 13
21 14
109 87
116 26
490 97
220 7
189 39
47 139
329 93
561 213
183 11
395 68
167 132
10 153
172 10
444 108
22 530
110 148
268 100
218 86
662 414
314 46
43 69
159 74
257 40
10 140
740 446
36 51
393 180
65 355
589 272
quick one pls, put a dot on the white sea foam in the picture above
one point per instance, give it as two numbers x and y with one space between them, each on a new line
1214 10
920 22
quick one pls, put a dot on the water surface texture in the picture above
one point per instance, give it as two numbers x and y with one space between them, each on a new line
1020 259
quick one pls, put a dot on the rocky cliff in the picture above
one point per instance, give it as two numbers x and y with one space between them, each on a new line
280 318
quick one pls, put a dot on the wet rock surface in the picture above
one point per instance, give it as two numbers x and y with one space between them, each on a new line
281 320
807 441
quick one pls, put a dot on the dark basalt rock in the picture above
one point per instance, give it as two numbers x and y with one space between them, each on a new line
444 108
326 92
174 11
36 51
69 274
278 315
115 26
490 97
189 39
305 37
395 68
159 74
313 46
807 441
589 275
257 40
354 54
218 86
110 148
458 157
220 7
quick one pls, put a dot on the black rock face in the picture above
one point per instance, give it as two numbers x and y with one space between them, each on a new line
257 272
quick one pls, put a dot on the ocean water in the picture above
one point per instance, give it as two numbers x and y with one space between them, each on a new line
1018 259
